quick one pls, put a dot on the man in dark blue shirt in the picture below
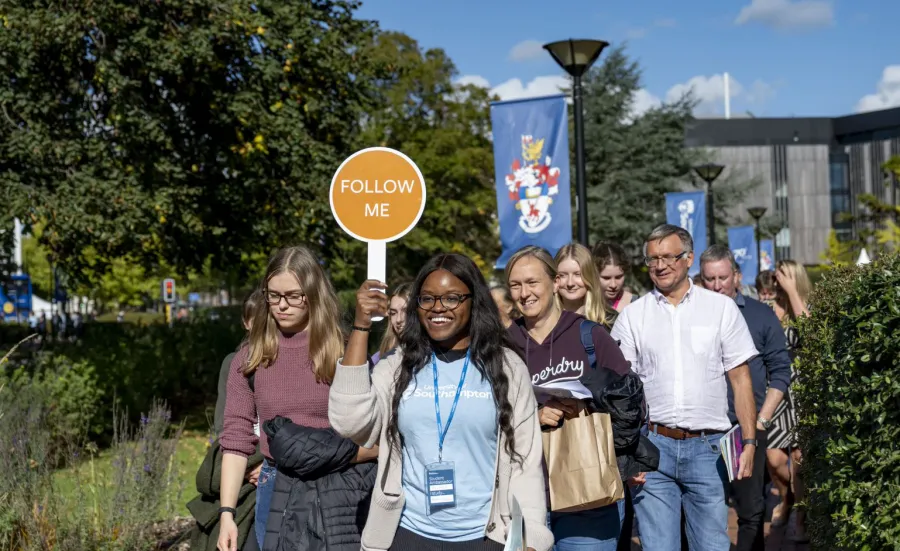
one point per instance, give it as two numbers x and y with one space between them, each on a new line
770 372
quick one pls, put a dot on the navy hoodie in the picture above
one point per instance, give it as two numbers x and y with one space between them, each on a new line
615 388
561 357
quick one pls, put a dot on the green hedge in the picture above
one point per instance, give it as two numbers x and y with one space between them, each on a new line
848 397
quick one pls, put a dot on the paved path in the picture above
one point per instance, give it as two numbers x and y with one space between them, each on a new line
776 538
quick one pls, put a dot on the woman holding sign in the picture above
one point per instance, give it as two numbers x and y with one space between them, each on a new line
556 344
281 376
451 460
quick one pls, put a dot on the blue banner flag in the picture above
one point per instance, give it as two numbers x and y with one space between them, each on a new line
742 242
767 252
531 166
688 210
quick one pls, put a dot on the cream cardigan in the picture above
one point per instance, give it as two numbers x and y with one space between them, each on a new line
359 407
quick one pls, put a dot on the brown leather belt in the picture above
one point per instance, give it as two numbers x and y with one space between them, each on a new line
680 434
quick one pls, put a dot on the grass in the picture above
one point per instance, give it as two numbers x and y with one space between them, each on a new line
189 454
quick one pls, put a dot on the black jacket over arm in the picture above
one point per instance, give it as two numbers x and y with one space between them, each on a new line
622 396
321 498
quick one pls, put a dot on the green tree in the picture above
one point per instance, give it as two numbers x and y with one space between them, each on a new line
839 253
631 161
36 264
445 130
877 220
178 132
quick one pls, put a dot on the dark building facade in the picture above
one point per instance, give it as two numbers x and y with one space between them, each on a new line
811 170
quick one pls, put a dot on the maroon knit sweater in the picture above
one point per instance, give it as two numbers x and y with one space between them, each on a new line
288 388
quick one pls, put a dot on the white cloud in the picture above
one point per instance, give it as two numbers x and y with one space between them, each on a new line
665 23
709 91
643 101
787 14
549 85
527 50
539 86
478 81
887 92
636 33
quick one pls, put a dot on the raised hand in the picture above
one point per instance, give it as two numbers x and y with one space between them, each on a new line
371 301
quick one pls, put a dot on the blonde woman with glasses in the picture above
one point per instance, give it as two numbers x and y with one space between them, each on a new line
282 376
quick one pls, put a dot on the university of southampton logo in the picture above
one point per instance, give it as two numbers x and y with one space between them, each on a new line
532 186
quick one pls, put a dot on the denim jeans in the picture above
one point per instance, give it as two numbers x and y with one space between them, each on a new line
691 475
264 492
594 530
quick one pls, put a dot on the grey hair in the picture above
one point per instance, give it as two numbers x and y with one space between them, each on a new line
666 230
716 253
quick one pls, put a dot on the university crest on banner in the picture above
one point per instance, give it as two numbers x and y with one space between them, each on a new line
531 169
532 185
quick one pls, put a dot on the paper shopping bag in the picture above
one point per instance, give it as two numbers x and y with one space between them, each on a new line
581 464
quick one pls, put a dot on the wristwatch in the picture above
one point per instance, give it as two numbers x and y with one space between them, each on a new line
764 422
749 442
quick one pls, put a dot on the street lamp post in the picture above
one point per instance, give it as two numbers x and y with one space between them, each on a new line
708 173
757 213
576 57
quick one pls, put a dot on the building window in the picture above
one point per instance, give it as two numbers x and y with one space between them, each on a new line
841 202
780 194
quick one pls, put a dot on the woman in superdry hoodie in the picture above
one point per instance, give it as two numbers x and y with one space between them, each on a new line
555 354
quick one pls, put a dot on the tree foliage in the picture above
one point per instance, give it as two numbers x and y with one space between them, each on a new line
195 136
444 128
877 220
631 161
182 131
849 387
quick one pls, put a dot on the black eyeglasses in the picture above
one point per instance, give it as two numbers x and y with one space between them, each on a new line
294 298
667 260
450 301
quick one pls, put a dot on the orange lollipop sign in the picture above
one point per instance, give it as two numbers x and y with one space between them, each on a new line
377 195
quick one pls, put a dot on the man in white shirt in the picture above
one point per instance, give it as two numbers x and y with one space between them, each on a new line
683 340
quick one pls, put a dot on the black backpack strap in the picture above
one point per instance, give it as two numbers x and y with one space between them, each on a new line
251 381
587 341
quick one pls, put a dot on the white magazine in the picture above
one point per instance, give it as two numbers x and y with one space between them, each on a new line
561 389
515 541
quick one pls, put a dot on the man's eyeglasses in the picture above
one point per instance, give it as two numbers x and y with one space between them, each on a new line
450 301
294 298
667 260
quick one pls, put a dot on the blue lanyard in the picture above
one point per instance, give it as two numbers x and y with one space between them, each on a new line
442 430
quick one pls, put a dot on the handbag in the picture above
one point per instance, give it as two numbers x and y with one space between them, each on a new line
581 463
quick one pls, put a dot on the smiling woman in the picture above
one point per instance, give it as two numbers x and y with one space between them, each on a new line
554 342
453 412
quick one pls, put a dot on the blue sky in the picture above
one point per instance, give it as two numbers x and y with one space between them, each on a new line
784 57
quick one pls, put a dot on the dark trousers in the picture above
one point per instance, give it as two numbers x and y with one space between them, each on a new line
750 501
627 522
405 540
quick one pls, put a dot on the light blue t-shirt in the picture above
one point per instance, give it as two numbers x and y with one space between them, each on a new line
471 444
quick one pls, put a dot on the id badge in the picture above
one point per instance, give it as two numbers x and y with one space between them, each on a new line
440 486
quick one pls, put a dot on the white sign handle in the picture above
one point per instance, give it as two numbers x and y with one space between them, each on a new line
377 268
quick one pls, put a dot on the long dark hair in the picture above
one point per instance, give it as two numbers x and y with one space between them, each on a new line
488 341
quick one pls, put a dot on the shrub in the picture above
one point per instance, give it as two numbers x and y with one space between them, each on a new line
848 397
63 392
136 364
94 504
